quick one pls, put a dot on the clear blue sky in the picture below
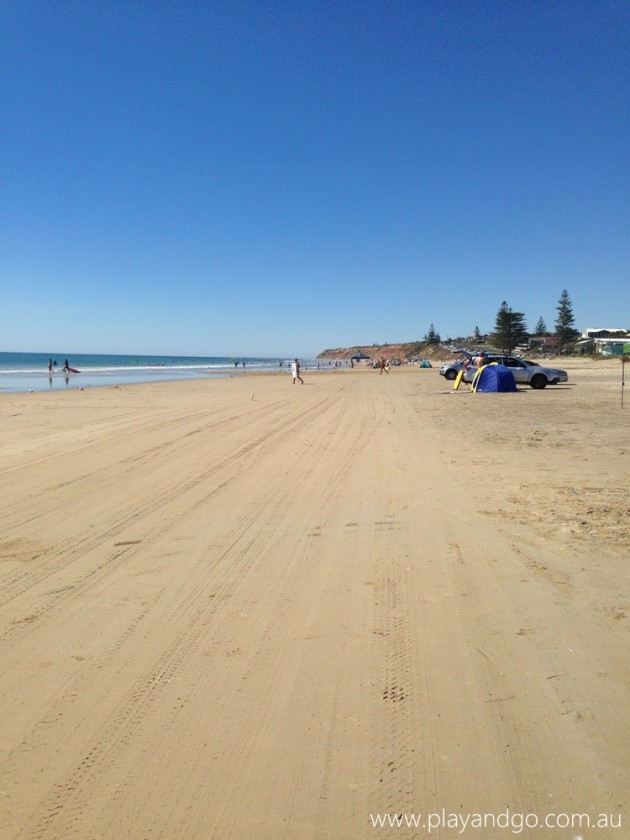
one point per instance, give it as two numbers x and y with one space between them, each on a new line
280 176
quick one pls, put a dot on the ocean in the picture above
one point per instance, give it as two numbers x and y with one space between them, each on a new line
29 371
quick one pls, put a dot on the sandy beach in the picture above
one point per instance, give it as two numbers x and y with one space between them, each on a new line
283 615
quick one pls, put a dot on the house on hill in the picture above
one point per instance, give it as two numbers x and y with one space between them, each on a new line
546 343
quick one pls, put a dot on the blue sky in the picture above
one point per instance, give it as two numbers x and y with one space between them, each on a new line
262 177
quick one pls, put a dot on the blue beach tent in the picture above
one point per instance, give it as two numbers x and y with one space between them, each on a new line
494 379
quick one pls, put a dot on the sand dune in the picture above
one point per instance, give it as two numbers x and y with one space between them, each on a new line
273 617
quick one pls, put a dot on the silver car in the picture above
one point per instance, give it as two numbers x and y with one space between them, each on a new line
524 371
451 369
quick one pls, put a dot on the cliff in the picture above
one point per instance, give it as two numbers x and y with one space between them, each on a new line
409 350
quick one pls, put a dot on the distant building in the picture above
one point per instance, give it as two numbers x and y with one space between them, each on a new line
548 343
599 340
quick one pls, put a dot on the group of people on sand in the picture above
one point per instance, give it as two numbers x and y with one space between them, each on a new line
295 369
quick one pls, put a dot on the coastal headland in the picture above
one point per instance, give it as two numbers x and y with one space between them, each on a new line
243 609
404 351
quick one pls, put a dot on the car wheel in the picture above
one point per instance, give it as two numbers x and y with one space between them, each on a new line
538 382
450 374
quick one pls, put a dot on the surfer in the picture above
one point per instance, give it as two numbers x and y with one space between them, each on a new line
66 366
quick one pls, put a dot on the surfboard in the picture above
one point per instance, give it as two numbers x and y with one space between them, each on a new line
73 370
458 380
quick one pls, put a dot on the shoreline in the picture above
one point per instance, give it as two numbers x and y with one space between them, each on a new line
38 380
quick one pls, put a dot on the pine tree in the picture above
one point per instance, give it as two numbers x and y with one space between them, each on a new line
510 328
477 335
432 336
565 332
541 327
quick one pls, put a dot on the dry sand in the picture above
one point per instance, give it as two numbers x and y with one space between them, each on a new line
272 617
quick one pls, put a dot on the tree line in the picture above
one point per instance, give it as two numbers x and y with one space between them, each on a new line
510 328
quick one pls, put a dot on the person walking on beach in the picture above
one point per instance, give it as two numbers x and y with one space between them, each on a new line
295 370
66 366
383 367
50 366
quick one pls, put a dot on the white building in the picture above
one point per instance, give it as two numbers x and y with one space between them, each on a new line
599 339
